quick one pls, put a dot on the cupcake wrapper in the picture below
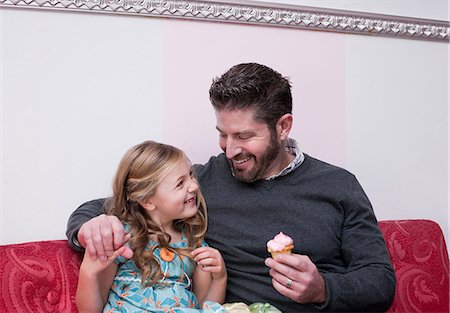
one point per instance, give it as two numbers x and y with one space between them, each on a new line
284 251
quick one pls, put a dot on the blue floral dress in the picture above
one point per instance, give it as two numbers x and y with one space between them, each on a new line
172 294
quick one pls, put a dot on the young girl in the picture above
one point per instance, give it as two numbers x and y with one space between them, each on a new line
158 199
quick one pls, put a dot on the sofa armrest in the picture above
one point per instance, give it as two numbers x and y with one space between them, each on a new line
38 276
419 255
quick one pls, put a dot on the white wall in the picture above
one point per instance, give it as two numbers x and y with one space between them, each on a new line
397 116
398 123
68 94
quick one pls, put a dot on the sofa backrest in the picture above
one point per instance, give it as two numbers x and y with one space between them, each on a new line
42 276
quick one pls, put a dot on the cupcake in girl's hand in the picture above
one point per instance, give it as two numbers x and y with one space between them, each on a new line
280 244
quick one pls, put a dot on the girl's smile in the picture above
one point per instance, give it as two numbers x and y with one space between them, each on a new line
175 198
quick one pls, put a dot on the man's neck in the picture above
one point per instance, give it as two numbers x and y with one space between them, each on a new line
283 160
293 158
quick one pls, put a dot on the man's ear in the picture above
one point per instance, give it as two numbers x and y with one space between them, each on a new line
148 205
284 126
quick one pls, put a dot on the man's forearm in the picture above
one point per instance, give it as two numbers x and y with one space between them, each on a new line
81 215
369 289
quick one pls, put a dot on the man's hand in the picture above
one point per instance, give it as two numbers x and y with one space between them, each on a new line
295 276
102 235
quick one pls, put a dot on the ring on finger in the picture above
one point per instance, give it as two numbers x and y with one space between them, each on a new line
289 283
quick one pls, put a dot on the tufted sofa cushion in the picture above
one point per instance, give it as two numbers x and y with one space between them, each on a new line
419 254
38 277
42 276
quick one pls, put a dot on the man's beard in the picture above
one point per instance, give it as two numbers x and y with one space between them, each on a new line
262 164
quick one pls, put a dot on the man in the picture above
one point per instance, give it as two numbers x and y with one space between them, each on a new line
263 184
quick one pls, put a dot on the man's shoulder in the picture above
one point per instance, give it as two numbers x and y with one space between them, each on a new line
330 177
322 167
215 163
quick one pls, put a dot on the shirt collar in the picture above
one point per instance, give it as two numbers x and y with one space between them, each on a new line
293 148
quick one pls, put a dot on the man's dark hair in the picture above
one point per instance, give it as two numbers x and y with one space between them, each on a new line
253 86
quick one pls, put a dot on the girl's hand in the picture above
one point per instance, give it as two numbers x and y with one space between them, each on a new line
210 260
94 265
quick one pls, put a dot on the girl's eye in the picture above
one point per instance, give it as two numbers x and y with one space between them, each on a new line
180 184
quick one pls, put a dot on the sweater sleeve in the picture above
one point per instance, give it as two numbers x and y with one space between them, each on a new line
81 215
368 283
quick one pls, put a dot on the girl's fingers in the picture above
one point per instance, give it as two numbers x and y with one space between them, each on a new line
126 238
118 252
201 256
113 256
204 253
207 262
198 251
208 258
96 265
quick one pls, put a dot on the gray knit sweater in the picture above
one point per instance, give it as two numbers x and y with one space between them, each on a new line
322 207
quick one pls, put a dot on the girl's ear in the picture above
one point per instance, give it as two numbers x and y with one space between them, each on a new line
148 205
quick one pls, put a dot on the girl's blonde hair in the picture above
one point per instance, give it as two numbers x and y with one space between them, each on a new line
139 174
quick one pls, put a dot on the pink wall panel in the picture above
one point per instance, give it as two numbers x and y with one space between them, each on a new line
196 52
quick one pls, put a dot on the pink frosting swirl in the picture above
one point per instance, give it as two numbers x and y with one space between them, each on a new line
279 242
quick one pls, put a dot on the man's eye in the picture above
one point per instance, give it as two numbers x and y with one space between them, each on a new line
245 136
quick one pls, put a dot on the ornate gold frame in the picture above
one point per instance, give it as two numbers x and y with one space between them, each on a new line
259 13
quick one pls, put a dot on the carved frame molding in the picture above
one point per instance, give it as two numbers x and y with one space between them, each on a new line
256 13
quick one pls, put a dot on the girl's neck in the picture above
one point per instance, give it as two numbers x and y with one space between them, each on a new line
175 235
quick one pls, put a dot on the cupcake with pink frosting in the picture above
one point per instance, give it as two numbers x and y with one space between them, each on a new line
280 244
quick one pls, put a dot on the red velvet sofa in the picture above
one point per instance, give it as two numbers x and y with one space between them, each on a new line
42 276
